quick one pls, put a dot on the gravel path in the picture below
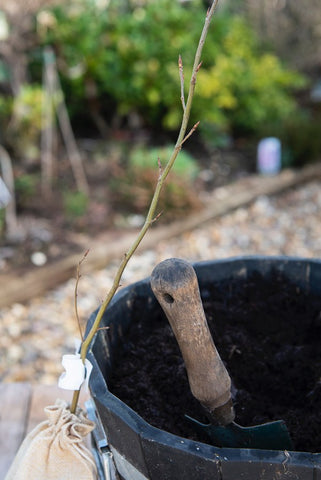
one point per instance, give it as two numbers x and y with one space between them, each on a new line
34 336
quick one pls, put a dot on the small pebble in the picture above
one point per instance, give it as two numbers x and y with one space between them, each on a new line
39 259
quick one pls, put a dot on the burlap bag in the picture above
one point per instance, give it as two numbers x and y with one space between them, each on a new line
55 450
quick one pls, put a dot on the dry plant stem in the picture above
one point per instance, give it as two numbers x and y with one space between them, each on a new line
78 276
150 217
181 76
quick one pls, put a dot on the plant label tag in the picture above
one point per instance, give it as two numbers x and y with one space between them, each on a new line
269 156
5 195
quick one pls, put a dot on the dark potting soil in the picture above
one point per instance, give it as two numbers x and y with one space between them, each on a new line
268 333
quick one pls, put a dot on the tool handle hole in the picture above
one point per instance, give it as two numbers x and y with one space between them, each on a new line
168 298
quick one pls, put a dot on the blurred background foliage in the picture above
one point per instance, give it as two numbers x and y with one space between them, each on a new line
124 56
133 186
117 63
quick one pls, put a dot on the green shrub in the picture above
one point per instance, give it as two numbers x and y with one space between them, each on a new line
244 88
75 204
126 54
128 51
142 158
21 120
134 183
5 115
26 187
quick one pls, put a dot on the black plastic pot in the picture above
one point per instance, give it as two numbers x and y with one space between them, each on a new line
141 451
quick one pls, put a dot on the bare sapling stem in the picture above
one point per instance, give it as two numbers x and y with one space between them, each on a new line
78 276
181 77
150 217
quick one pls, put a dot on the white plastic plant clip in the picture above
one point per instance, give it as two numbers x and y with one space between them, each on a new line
75 373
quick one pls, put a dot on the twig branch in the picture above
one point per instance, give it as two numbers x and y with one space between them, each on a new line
152 208
198 67
157 217
181 77
192 130
160 167
78 276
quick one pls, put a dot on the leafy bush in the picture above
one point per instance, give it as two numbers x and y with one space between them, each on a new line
5 114
144 158
21 120
125 50
133 184
75 204
245 89
125 54
25 187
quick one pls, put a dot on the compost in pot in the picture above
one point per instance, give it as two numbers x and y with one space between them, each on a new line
268 334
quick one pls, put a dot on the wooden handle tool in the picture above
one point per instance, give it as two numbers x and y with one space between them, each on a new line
175 286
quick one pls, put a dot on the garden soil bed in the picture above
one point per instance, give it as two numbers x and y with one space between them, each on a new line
268 334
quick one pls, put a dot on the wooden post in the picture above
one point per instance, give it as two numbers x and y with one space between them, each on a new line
48 127
54 103
67 133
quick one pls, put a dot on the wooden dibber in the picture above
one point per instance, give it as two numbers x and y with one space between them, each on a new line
175 286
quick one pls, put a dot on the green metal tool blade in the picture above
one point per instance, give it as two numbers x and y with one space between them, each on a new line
268 436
